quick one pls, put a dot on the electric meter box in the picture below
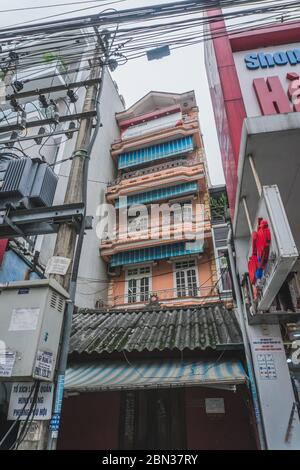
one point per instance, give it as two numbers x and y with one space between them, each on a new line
31 318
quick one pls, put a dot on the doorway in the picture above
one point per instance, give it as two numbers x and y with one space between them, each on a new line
153 420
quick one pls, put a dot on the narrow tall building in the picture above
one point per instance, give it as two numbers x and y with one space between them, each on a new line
162 247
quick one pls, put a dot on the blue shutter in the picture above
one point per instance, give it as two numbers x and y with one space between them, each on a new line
159 194
155 152
156 253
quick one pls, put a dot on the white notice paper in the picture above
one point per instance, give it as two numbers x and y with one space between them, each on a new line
43 364
7 360
58 265
24 319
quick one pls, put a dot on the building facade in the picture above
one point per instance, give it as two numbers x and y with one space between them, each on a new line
157 378
162 365
162 246
254 82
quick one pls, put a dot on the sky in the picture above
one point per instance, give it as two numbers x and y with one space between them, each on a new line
183 71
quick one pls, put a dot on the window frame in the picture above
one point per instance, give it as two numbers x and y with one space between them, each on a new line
217 249
138 277
185 270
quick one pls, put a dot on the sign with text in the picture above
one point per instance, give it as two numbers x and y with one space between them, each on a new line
274 384
19 398
270 79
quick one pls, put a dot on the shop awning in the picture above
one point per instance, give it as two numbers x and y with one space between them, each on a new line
122 375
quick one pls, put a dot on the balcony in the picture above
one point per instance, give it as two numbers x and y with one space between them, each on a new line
152 123
156 250
166 297
143 233
159 194
189 127
181 171
161 151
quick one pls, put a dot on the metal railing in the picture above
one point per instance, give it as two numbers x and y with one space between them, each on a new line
154 169
180 294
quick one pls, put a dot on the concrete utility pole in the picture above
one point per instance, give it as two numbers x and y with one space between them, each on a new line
65 247
66 237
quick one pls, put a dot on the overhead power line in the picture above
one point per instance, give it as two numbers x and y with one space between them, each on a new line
149 13
54 5
63 48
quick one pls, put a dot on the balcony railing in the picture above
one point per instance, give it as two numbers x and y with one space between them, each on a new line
160 194
197 295
160 125
141 231
154 169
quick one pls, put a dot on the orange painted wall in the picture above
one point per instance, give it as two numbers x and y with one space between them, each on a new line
163 279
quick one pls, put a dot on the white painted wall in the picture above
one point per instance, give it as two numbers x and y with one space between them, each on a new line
92 276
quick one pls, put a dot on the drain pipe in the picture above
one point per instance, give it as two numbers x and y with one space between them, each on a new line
259 422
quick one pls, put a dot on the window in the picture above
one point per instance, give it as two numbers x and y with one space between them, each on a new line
138 284
222 263
186 278
220 241
220 236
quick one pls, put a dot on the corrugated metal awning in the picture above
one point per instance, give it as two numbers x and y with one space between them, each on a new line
156 253
153 374
155 152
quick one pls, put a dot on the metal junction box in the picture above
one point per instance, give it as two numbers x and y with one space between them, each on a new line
31 317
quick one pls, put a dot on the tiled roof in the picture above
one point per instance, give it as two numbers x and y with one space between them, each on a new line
149 330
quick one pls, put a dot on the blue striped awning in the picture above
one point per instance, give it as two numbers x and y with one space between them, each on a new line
156 253
118 375
155 152
158 194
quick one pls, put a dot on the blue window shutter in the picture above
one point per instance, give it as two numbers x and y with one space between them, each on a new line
155 152
156 253
159 194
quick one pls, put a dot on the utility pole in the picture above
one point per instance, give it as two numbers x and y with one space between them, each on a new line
65 247
66 237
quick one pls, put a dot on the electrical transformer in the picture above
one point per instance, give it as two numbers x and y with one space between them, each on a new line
31 318
26 183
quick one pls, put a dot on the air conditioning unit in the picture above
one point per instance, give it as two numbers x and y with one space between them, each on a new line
26 183
31 320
